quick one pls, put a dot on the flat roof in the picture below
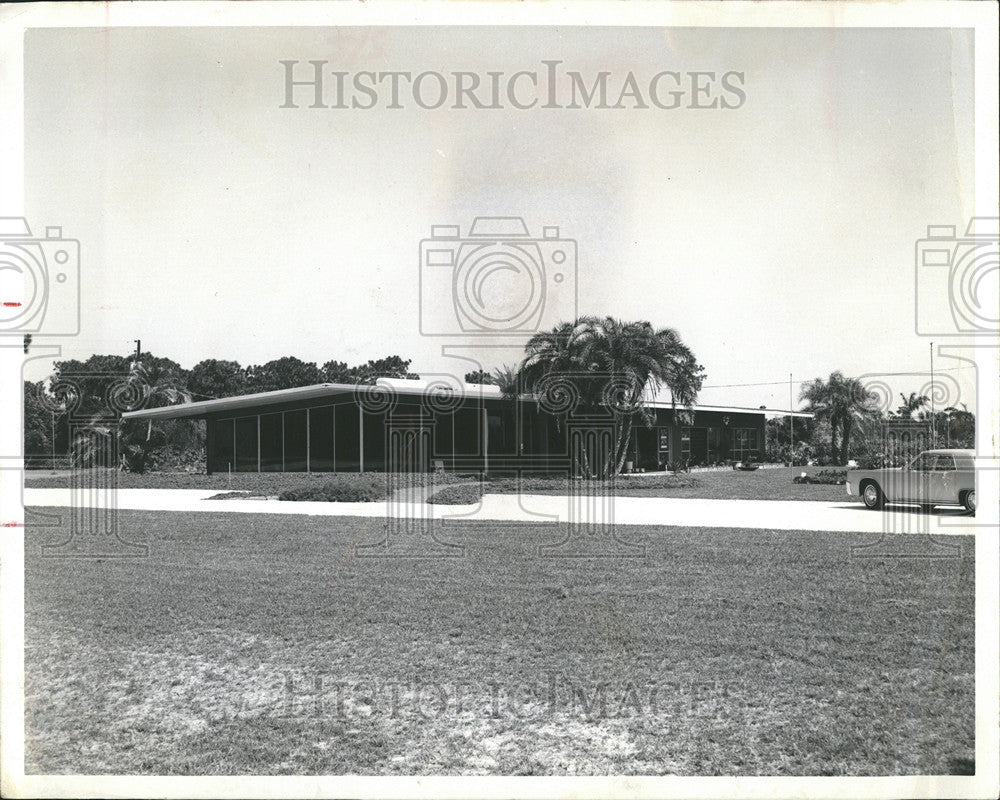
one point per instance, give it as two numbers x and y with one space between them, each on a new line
202 408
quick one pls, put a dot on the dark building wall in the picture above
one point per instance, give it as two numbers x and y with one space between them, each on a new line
338 434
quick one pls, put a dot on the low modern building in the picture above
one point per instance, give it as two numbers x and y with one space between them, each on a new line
415 425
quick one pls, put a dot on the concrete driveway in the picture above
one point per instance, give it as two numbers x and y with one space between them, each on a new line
746 514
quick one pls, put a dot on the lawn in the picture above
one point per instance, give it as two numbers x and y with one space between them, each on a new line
257 483
763 484
257 644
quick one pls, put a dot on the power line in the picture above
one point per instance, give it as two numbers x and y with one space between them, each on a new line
785 382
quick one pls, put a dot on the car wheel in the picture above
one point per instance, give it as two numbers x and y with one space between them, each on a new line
872 496
970 501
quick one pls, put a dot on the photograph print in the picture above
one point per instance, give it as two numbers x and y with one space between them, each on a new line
599 402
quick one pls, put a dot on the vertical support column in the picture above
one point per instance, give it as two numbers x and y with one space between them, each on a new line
486 441
308 441
361 439
209 444
258 443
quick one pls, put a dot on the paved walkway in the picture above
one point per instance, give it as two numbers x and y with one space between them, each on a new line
750 514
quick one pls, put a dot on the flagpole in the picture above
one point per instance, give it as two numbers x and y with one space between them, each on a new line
933 438
791 425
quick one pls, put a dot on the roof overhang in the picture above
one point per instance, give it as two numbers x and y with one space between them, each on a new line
222 405
319 391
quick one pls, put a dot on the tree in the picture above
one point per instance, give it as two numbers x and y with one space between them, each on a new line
956 427
212 378
853 403
612 365
388 367
338 372
38 421
911 404
842 402
508 380
479 376
164 382
282 373
84 385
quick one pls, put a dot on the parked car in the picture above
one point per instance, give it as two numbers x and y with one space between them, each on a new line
933 478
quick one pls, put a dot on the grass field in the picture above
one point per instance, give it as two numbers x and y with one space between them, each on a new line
256 644
258 483
764 484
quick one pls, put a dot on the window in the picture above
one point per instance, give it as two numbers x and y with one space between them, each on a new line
223 456
745 444
663 445
246 444
321 435
346 439
271 443
374 431
924 462
944 463
296 438
965 463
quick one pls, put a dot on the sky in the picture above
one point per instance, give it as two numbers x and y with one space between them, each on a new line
776 237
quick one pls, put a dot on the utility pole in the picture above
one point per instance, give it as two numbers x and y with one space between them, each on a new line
933 442
791 425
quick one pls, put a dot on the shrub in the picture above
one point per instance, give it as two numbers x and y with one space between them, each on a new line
831 477
350 488
460 495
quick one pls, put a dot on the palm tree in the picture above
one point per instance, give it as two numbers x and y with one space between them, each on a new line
819 401
614 365
151 382
853 404
158 385
911 404
843 402
506 379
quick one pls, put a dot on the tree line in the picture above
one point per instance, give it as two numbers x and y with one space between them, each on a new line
590 365
851 422
97 390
